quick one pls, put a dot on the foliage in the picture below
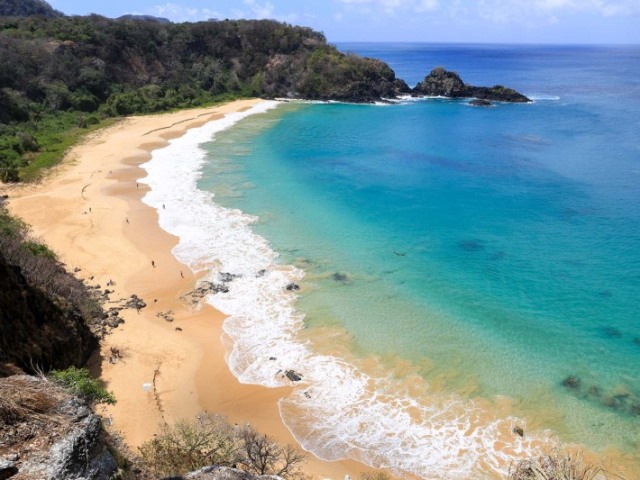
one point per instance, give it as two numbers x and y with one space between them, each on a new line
79 382
41 268
39 249
20 8
210 440
59 75
187 446
558 466
22 398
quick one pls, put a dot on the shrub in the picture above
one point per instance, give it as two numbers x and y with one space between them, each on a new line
79 382
188 446
210 440
262 455
558 466
39 249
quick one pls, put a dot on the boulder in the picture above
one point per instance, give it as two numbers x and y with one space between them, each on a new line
69 443
293 375
443 83
225 473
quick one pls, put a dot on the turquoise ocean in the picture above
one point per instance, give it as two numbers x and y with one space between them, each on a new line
462 270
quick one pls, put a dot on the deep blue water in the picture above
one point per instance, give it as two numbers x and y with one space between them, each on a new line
497 249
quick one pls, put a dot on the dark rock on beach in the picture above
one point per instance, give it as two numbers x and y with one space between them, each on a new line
293 375
443 83
518 430
293 287
135 302
228 277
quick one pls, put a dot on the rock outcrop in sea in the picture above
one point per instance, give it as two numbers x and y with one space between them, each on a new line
443 83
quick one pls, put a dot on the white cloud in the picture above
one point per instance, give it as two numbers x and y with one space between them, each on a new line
499 11
260 11
392 7
249 9
181 13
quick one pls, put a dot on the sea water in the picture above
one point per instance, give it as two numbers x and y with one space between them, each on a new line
462 270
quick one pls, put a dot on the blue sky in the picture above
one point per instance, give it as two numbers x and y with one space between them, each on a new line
485 21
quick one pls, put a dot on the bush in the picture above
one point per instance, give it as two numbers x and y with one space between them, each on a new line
188 446
39 249
210 440
558 466
79 382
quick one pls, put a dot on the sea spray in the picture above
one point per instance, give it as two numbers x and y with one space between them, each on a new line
336 410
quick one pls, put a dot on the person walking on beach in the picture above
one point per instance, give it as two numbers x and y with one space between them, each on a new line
153 264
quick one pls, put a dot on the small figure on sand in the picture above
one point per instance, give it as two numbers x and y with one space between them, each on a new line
127 219
181 274
163 206
153 264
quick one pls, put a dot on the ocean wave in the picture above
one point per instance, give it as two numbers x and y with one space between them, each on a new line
336 410
542 97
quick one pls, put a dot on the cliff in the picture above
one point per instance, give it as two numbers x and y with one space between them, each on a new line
45 312
69 443
37 330
443 83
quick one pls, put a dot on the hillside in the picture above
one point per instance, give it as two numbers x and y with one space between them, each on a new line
45 312
65 72
25 8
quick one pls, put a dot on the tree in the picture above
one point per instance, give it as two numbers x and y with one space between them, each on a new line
262 455
210 440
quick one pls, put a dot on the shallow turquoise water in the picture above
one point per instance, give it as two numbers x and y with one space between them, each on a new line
501 244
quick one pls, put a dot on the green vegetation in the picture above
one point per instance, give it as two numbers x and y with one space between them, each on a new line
41 268
78 381
62 76
23 8
39 249
210 440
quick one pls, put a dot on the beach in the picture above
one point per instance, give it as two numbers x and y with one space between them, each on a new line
89 212
381 408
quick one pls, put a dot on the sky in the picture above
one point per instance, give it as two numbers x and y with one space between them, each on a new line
459 21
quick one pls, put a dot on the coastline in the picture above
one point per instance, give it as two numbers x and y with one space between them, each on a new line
89 211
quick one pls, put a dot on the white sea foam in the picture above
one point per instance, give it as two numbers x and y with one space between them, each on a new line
542 97
337 410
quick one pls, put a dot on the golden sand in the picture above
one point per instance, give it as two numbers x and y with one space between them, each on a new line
89 211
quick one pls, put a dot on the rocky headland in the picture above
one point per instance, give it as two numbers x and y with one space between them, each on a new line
444 83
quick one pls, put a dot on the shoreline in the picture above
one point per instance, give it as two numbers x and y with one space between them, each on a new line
92 215
95 221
